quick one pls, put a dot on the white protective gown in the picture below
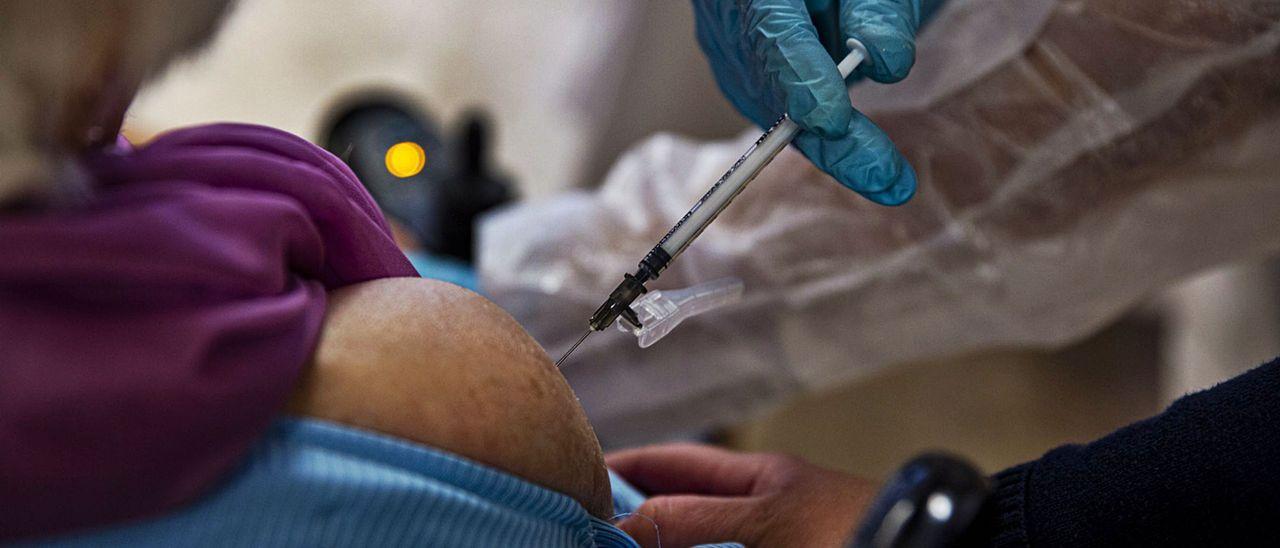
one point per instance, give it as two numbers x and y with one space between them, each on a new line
1073 156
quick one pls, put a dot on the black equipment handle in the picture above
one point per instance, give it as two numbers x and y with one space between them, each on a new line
928 503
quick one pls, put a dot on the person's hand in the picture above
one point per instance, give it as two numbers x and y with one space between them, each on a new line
702 494
776 56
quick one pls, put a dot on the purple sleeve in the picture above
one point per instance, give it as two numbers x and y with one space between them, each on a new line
148 338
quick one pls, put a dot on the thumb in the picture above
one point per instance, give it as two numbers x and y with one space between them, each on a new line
685 468
685 520
888 30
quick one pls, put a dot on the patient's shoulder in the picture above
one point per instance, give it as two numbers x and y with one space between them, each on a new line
437 364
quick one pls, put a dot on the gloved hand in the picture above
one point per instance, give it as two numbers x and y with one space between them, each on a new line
776 56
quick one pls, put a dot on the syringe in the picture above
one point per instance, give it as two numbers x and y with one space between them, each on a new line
743 171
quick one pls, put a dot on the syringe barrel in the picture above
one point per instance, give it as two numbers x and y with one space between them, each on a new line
704 211
729 185
743 171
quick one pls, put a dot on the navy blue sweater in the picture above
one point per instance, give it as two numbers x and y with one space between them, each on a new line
1205 472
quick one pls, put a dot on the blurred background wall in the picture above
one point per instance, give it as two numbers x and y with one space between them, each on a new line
1007 406
570 84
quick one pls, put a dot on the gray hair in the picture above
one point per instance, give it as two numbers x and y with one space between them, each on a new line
67 67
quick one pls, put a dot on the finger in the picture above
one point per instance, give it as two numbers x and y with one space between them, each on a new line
796 65
688 468
686 520
864 160
888 29
898 194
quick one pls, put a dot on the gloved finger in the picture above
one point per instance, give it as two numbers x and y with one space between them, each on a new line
687 468
900 193
796 65
864 160
888 29
687 520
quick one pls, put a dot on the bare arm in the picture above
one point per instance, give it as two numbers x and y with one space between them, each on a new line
439 365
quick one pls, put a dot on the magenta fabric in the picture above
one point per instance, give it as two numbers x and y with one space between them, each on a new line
148 338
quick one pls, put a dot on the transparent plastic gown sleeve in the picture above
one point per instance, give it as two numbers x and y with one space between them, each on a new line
1073 157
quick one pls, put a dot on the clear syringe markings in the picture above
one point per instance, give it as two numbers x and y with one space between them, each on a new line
703 212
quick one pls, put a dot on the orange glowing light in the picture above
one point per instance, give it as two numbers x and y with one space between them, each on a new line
406 159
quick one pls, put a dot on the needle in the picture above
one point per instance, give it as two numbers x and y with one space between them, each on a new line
572 348
704 211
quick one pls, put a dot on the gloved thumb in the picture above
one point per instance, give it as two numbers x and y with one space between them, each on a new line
864 160
888 30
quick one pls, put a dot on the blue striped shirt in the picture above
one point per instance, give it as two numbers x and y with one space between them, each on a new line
312 483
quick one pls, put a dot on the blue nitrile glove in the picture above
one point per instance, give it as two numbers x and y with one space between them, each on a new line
776 56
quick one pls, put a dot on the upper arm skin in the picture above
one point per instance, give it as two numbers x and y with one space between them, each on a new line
434 363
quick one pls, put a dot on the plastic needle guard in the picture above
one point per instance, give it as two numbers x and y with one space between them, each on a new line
659 311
